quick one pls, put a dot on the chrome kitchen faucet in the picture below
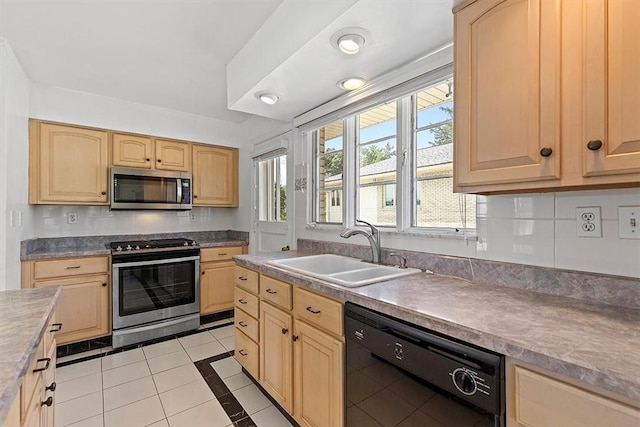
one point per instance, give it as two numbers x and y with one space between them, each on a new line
373 236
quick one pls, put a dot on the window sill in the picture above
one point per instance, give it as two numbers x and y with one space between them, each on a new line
468 235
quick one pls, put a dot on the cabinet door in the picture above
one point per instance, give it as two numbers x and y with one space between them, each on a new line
215 176
318 373
612 67
275 354
507 92
173 155
216 286
68 165
83 308
132 151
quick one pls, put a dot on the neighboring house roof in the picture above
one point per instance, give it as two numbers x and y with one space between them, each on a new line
430 156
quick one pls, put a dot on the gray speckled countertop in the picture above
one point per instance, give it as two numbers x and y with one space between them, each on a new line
588 341
24 316
64 247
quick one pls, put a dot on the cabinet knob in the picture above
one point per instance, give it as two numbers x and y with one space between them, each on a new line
295 338
203 272
195 197
159 161
104 193
284 331
148 160
594 145
52 387
546 152
104 284
47 402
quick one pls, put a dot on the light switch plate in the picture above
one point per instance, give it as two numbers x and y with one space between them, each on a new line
589 222
629 222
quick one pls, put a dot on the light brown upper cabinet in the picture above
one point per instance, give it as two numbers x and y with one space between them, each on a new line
506 106
545 95
173 155
612 86
215 176
67 164
132 151
139 151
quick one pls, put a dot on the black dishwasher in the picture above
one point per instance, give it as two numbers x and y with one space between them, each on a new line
399 374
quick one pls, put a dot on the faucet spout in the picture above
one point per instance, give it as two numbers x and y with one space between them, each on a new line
373 236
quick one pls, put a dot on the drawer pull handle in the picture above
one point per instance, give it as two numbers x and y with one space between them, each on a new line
46 365
242 324
47 402
241 301
52 387
222 254
271 291
284 331
295 338
56 326
244 279
73 267
310 310
242 352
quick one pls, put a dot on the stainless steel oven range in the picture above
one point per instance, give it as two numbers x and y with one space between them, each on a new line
156 289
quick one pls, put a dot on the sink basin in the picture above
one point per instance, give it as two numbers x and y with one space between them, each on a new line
341 270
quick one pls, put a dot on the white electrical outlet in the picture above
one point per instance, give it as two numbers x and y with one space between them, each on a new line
629 222
72 218
589 222
193 215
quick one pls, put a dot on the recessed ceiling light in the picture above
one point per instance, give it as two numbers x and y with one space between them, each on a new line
350 43
267 98
350 40
351 83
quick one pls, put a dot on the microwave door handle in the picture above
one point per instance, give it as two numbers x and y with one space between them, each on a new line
179 190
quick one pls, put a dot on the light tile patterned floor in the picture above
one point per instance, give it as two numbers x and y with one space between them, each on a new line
159 385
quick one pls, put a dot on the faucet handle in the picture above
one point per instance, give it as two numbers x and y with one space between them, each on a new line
403 260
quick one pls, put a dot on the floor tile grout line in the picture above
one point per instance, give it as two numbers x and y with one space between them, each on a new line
156 387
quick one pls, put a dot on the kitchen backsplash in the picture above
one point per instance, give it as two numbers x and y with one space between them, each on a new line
608 289
53 221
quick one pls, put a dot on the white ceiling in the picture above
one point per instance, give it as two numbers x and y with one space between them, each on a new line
210 57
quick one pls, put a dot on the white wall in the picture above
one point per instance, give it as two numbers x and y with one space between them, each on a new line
15 214
536 229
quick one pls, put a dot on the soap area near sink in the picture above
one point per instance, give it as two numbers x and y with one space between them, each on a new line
341 270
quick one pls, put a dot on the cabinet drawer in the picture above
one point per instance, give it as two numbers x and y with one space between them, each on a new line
545 401
246 301
247 324
69 267
275 291
247 279
33 375
246 353
319 311
219 254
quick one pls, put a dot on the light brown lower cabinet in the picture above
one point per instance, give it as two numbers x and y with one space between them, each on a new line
542 399
34 405
301 346
217 278
84 305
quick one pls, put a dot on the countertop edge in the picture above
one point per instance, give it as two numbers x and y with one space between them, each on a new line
589 375
10 392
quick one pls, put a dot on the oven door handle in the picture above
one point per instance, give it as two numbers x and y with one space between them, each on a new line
156 262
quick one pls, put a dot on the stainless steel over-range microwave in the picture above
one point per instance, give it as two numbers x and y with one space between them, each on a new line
150 189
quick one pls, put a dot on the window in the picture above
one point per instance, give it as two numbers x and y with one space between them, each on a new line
328 167
272 188
391 163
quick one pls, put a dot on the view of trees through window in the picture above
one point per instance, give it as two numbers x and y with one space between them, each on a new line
428 197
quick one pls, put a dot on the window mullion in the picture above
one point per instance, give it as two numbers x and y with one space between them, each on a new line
350 177
404 165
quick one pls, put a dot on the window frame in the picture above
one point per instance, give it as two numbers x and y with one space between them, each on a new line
406 157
